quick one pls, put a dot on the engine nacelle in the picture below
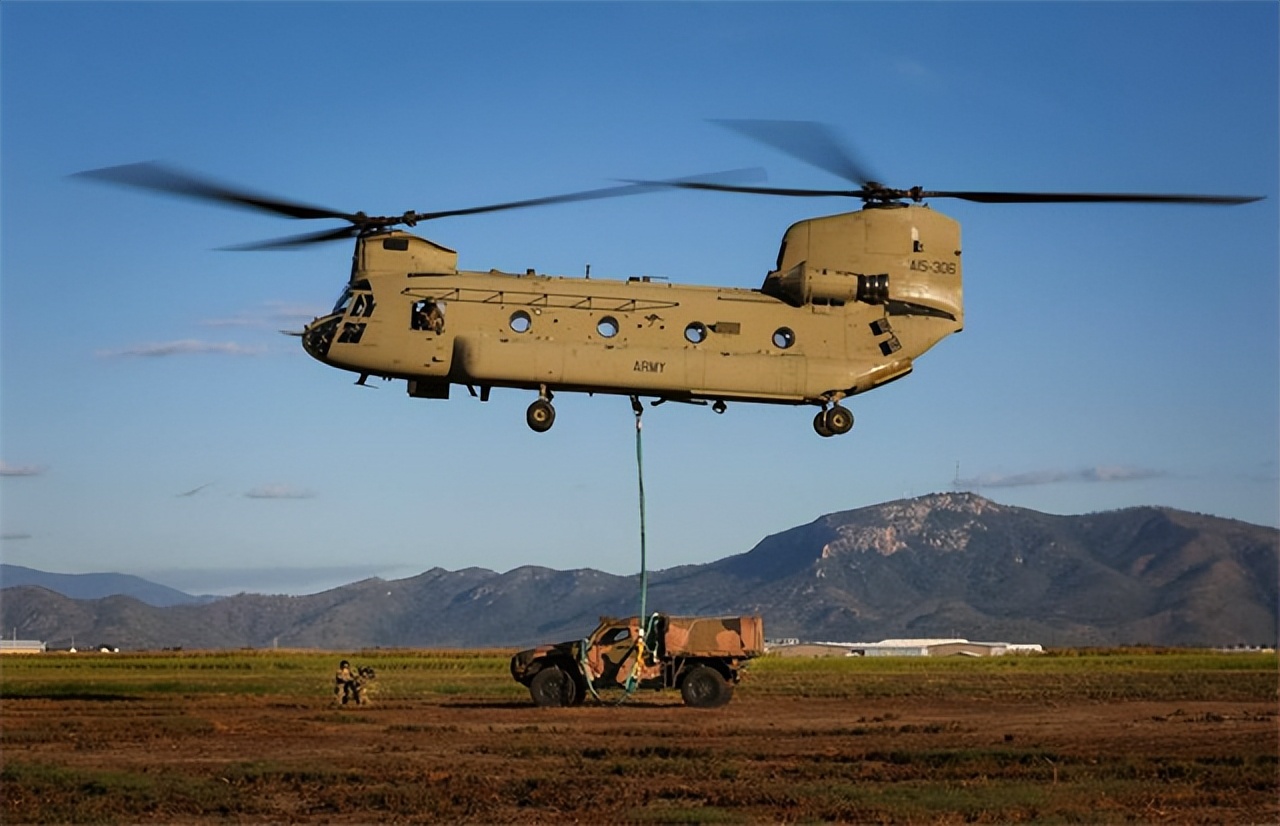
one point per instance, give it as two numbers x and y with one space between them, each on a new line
803 284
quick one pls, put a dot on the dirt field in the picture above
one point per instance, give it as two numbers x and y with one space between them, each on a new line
770 756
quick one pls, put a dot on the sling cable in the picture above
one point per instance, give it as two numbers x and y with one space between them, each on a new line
644 643
643 646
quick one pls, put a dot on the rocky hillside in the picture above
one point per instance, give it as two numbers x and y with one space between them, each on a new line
950 564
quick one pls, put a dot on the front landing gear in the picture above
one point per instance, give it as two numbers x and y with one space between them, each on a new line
833 421
541 415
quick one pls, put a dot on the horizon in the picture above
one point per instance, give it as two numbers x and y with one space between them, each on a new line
152 417
306 581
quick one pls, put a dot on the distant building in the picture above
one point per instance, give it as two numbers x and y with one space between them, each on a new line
22 647
808 649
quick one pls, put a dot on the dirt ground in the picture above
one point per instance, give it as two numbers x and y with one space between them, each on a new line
760 759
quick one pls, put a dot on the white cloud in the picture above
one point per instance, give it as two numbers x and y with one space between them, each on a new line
7 469
183 347
312 580
269 316
279 492
914 69
1100 473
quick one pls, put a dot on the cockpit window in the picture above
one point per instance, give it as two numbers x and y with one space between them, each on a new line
363 305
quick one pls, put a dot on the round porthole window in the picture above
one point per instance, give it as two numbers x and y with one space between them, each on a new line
520 321
783 337
607 327
696 333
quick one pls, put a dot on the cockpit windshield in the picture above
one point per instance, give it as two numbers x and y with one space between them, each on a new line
343 302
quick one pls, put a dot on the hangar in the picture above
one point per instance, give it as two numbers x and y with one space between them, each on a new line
21 647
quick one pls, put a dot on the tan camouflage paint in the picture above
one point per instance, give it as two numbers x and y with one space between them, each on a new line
610 659
803 336
714 636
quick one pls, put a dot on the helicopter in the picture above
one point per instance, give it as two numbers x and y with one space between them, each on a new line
854 298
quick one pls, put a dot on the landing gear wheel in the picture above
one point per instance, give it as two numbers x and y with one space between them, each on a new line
540 416
704 687
838 420
552 687
820 425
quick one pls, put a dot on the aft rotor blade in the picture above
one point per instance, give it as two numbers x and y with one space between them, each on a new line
1088 198
160 178
815 143
878 193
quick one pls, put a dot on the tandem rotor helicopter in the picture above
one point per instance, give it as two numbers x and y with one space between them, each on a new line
853 300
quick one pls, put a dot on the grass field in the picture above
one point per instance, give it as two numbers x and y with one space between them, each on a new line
1105 736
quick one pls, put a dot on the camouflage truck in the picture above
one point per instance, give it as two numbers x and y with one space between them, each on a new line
701 656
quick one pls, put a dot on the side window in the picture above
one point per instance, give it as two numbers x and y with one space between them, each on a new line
428 315
351 333
695 333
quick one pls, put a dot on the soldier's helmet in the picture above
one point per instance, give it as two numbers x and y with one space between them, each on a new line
344 664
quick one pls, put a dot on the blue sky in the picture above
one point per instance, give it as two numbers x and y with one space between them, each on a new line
1114 355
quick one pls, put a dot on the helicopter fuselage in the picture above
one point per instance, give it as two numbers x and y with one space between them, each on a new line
854 299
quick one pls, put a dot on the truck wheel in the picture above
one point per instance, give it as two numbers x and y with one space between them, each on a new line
704 687
552 687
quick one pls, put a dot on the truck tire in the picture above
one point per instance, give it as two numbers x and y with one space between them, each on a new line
552 687
704 687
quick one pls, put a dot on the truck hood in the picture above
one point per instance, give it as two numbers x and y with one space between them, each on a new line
521 661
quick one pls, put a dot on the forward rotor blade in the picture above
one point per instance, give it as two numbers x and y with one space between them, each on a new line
587 195
815 143
627 189
160 178
157 177
1089 198
766 190
295 241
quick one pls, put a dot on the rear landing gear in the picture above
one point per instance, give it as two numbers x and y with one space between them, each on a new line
541 415
833 421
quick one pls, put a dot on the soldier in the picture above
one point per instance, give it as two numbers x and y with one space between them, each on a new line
428 315
345 683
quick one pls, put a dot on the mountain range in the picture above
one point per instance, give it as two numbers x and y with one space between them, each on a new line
941 565
94 586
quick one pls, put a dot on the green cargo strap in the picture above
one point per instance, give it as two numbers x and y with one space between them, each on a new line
644 573
585 667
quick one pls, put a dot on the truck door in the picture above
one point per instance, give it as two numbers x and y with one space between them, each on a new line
609 652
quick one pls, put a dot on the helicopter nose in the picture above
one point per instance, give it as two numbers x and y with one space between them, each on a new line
318 336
